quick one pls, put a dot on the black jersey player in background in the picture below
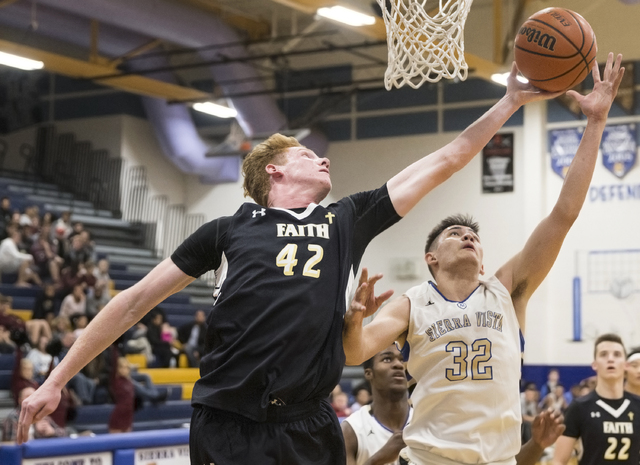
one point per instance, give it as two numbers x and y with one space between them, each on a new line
607 420
273 349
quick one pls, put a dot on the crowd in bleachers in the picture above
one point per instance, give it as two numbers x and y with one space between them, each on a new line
54 284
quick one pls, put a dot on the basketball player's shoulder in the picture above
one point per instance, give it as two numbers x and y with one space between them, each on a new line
419 292
358 419
635 399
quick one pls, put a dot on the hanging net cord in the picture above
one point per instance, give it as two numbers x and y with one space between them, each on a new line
422 47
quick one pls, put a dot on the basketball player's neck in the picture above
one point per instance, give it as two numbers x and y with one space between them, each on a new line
610 388
391 413
284 197
457 287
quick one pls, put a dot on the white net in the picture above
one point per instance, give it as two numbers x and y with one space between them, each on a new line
423 46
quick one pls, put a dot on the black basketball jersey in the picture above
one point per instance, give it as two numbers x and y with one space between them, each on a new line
609 429
275 331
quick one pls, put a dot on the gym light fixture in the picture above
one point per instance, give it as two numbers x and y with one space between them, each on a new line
19 62
214 109
346 16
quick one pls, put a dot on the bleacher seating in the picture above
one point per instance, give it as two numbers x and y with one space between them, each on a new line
120 242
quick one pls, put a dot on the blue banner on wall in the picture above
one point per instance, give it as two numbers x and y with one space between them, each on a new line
619 148
563 145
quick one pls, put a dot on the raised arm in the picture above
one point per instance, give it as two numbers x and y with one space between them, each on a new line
360 343
121 313
418 179
523 273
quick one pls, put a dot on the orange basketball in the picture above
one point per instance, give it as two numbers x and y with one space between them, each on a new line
555 49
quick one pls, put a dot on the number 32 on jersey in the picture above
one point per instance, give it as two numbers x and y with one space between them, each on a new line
287 260
470 360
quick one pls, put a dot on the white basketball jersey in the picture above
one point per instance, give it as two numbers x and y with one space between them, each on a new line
371 435
466 358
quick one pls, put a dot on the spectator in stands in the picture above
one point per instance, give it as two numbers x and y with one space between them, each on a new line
89 277
77 252
555 400
122 392
5 216
45 256
22 332
76 229
71 275
79 322
97 298
101 272
340 404
22 376
46 303
7 346
45 428
136 342
161 348
41 359
75 303
529 406
30 224
191 335
362 395
15 262
89 245
62 226
553 377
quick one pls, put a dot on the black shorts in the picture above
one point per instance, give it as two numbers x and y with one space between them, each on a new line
302 434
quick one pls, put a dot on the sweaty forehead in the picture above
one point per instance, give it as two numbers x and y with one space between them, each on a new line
460 228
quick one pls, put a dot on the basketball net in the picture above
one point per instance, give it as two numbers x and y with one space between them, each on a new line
422 47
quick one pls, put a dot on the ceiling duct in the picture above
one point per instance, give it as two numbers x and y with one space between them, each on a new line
179 24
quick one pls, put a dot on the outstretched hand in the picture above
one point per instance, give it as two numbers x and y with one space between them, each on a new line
547 427
597 103
365 303
522 92
35 408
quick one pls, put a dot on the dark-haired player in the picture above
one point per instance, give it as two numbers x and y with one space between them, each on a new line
466 333
273 349
373 434
607 420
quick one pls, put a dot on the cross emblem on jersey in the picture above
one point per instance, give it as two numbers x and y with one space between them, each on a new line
260 212
330 216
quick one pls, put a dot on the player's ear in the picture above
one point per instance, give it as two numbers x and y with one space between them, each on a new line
368 374
430 258
482 269
274 171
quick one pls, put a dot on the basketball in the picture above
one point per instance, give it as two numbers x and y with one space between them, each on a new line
555 49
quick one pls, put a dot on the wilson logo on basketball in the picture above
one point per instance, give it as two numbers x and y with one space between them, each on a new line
561 19
536 36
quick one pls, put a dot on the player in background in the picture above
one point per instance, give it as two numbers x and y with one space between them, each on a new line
607 420
466 333
632 384
373 434
284 267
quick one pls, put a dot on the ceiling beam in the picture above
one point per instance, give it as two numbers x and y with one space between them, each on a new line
255 28
478 66
80 69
